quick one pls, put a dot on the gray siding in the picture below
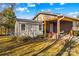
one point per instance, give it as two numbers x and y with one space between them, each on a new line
31 29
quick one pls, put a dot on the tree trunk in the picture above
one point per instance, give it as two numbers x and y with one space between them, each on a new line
69 51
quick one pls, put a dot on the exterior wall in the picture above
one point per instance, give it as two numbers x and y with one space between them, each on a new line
48 26
48 29
16 28
43 17
31 29
76 26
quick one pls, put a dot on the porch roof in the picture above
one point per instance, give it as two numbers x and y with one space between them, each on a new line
66 18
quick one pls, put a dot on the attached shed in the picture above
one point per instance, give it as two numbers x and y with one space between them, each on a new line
25 27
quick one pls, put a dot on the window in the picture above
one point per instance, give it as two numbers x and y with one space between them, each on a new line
77 23
22 26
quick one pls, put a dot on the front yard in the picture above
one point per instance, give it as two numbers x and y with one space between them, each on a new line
10 47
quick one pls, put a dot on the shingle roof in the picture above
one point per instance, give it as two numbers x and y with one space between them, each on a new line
25 20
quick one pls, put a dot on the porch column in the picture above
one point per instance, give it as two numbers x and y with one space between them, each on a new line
58 25
58 28
44 28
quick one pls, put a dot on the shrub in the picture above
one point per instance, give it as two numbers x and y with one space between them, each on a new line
39 37
25 38
76 33
14 38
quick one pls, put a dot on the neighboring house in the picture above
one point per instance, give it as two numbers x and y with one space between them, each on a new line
57 23
25 27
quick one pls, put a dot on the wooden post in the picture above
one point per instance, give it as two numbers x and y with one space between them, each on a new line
44 28
58 25
1 30
43 18
58 28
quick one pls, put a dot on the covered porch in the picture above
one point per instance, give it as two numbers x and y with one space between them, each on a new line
65 26
60 26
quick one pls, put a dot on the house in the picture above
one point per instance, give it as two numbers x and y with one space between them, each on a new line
25 27
57 23
44 23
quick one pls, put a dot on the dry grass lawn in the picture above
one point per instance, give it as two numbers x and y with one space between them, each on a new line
40 48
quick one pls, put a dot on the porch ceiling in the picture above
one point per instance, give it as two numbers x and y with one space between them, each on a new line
69 19
64 19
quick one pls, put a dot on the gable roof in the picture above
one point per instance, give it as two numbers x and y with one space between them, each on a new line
76 19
